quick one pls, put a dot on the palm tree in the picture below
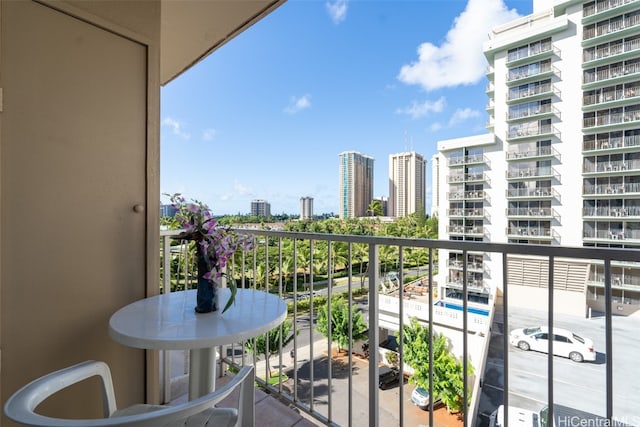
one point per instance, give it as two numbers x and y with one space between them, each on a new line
303 258
375 208
388 256
360 253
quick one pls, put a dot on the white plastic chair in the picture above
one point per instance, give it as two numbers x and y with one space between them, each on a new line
20 407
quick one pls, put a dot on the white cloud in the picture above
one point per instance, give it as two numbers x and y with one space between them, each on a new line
459 59
176 127
241 189
298 104
337 10
417 110
435 127
462 114
209 134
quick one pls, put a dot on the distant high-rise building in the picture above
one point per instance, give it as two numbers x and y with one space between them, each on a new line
435 185
306 207
356 184
406 183
260 208
167 211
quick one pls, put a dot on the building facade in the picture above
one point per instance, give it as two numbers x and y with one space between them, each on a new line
406 183
260 208
561 161
306 207
355 184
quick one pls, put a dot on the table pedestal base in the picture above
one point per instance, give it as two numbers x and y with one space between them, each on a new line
202 372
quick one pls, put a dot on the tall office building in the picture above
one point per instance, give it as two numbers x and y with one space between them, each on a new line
436 189
260 208
406 183
561 164
306 207
356 184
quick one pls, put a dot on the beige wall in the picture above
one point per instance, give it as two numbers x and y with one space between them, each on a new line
566 302
79 149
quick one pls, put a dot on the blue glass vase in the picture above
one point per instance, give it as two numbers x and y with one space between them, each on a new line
206 291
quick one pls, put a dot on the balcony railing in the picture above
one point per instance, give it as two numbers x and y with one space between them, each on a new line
616 190
314 265
468 213
529 130
611 212
531 111
613 166
609 27
611 72
533 212
521 154
532 51
612 234
602 6
533 90
528 173
613 49
532 193
606 118
611 96
534 232
474 159
467 195
530 70
611 143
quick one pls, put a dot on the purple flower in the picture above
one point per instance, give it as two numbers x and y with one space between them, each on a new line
218 242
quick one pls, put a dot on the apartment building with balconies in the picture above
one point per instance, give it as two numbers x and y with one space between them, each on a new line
561 162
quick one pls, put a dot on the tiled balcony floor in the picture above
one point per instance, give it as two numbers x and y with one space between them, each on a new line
269 412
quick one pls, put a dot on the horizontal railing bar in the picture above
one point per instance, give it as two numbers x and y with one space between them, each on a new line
618 254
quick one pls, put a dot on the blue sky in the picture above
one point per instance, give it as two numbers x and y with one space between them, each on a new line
266 115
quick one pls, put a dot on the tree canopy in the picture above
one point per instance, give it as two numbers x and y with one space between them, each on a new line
339 322
448 379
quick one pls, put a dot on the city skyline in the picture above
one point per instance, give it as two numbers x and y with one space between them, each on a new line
317 79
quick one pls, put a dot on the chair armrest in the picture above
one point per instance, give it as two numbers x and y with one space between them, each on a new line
25 400
20 406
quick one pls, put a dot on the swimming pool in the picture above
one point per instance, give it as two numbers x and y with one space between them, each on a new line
458 307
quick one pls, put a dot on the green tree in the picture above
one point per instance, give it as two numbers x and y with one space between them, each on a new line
339 322
268 344
448 379
375 208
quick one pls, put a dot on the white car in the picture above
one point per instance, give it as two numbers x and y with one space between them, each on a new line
565 343
519 417
420 398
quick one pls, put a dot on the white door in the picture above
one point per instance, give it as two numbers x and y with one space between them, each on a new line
540 342
73 166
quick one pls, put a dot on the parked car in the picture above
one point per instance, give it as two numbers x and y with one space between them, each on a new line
519 417
388 377
420 398
565 343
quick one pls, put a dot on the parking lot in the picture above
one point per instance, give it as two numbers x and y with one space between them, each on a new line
579 389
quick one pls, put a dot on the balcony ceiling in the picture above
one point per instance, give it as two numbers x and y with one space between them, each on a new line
192 29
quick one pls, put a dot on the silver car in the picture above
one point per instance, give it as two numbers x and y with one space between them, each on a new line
420 398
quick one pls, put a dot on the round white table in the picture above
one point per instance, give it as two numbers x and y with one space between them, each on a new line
169 322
